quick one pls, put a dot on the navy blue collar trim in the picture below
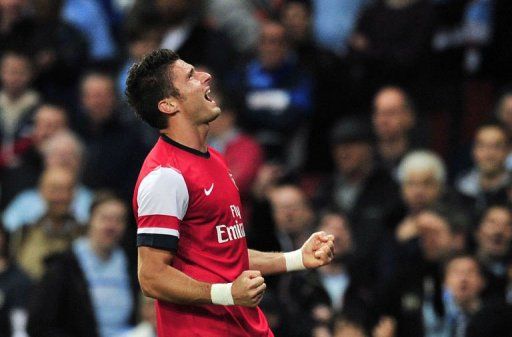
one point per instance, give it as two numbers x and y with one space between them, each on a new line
185 148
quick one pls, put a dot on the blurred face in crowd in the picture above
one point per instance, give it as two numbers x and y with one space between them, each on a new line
296 20
352 158
57 187
420 189
436 238
15 74
63 151
490 150
12 9
107 224
464 280
273 48
144 45
337 225
291 211
392 118
495 232
173 11
505 111
347 329
48 120
98 97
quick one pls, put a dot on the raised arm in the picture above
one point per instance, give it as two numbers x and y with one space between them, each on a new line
159 280
317 251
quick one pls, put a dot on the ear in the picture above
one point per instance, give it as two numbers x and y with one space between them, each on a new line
168 106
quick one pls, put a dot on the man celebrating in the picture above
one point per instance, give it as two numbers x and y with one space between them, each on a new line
210 284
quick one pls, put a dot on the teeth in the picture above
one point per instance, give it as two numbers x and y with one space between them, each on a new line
207 95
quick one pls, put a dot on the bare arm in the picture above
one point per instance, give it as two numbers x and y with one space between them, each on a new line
317 251
159 280
267 263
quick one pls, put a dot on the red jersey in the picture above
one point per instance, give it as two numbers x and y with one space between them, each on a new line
186 201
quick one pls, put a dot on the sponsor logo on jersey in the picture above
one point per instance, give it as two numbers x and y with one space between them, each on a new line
230 233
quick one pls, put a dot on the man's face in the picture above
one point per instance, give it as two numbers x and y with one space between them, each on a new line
505 111
495 232
436 238
463 280
272 48
391 117
108 223
490 150
337 225
295 18
57 188
98 97
420 189
47 121
352 157
194 101
291 212
15 74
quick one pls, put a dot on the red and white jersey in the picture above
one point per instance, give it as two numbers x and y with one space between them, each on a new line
187 202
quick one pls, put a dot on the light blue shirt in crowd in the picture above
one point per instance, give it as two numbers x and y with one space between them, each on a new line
334 22
29 206
109 288
89 17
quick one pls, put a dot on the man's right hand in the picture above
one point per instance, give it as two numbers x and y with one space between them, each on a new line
248 288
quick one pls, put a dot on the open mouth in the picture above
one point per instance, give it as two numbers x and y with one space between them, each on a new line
207 96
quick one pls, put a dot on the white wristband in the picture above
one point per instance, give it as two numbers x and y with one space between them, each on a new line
294 260
221 294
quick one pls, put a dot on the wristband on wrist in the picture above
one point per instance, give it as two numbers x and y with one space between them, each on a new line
294 260
221 294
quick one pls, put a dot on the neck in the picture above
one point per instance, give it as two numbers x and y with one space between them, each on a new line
393 148
469 306
493 180
358 176
193 137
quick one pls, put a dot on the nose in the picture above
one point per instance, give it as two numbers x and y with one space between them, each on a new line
206 77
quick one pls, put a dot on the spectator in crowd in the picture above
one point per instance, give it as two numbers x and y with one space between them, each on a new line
329 92
343 327
359 188
486 183
243 154
48 120
17 102
62 150
393 120
386 54
60 51
54 231
414 295
278 96
89 290
16 26
15 288
142 37
335 21
147 319
328 292
187 32
92 21
504 116
493 237
114 149
422 176
466 312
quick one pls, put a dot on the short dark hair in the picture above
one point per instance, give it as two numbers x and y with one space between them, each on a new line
149 82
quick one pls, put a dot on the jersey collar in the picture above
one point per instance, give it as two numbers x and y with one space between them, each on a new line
166 139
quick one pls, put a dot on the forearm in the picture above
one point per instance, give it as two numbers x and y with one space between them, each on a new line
164 282
267 263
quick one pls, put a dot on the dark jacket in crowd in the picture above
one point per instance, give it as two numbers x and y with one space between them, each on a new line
61 305
15 288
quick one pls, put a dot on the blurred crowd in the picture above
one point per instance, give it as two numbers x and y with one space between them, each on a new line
384 122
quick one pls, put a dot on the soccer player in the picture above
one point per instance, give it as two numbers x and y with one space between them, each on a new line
193 256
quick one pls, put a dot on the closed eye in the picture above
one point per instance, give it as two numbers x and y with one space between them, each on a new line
191 73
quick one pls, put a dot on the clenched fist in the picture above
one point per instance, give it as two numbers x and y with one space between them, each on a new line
248 288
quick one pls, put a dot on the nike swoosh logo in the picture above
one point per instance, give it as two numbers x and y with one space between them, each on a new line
208 191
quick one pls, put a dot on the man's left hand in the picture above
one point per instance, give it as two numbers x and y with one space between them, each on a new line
318 250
